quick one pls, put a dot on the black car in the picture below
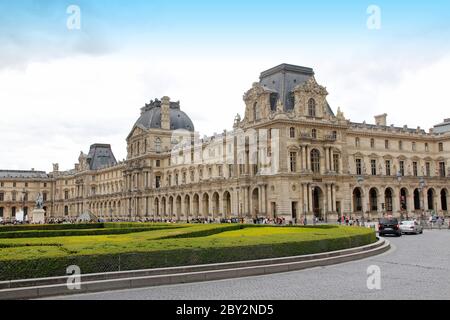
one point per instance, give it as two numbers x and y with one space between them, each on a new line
389 226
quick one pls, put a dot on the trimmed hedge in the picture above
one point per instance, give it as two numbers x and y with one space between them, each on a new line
51 227
69 233
205 233
48 267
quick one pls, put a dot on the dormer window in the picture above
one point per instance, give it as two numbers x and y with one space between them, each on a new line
312 107
291 100
273 101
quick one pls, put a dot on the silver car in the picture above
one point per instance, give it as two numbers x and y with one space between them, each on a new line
411 227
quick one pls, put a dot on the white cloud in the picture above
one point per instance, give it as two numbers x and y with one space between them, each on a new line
53 109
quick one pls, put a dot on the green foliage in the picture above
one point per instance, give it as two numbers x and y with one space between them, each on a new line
51 227
166 246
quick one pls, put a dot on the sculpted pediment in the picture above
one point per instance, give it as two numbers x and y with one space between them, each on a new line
311 86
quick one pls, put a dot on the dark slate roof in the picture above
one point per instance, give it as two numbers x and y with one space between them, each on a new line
151 117
100 156
284 78
19 174
442 127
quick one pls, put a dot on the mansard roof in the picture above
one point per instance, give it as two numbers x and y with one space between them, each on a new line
284 78
20 174
100 156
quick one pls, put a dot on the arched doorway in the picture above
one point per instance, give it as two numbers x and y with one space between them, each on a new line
205 205
388 195
357 200
444 193
317 201
255 203
178 207
430 198
196 204
416 199
373 199
403 199
216 212
227 204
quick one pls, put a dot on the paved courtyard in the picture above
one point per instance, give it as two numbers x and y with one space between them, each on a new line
417 267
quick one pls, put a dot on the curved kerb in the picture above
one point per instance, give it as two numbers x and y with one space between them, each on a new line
56 286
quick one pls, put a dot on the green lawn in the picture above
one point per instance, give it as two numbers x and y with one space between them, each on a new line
169 245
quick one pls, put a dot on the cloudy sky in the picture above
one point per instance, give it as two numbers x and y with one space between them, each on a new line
63 89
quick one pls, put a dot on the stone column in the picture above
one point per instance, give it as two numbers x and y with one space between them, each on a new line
310 197
333 201
330 200
235 203
410 202
327 159
307 158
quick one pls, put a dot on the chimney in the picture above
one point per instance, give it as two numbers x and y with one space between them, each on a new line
165 113
381 120
55 167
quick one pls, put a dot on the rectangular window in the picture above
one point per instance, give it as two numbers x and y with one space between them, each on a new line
170 180
66 195
358 167
1 212
2 197
415 171
388 167
230 170
442 169
192 177
13 212
44 196
336 162
428 169
293 159
402 168
158 163
220 171
426 147
14 196
372 143
158 182
386 144
400 145
373 166
441 147
413 146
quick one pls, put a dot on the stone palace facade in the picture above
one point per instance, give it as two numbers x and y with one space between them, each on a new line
289 156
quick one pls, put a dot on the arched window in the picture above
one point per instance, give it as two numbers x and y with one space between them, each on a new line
312 107
314 133
292 132
158 145
315 161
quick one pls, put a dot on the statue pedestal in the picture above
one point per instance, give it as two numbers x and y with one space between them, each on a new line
38 216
